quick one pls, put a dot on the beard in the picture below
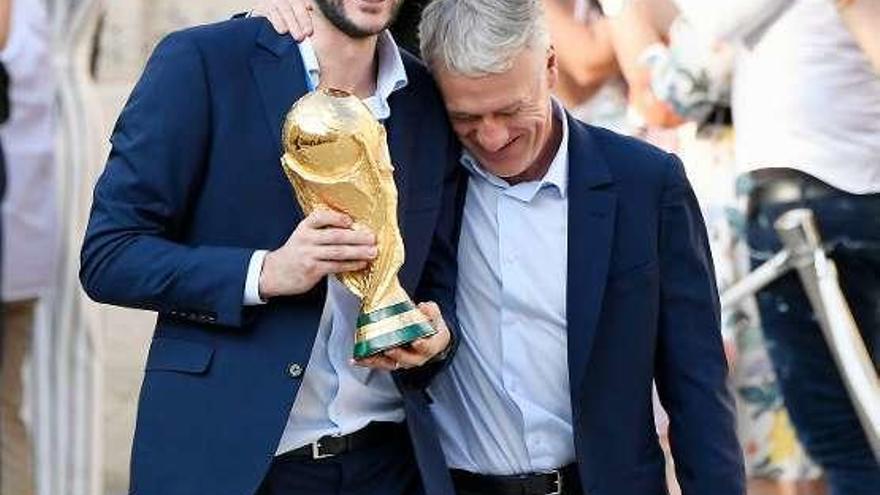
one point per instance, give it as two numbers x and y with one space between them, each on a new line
334 11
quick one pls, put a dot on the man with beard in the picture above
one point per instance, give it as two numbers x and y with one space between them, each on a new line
296 14
249 386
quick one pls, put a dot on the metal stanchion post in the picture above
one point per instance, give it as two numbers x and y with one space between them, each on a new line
818 274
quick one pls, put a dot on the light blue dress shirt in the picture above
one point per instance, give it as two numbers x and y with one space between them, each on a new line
503 405
335 397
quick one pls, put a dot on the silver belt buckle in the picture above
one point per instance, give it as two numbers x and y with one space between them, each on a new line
558 490
558 473
316 451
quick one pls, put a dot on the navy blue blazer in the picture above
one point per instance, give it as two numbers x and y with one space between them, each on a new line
192 187
642 304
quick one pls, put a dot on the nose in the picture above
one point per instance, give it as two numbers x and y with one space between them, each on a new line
492 135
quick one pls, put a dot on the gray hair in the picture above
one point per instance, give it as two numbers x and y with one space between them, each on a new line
479 37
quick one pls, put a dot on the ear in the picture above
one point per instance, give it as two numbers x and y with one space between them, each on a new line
552 67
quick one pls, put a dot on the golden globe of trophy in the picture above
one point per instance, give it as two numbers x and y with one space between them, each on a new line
336 156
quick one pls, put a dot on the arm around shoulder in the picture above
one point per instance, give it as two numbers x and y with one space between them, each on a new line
440 276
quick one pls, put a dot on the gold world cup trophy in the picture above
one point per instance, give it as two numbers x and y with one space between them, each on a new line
336 156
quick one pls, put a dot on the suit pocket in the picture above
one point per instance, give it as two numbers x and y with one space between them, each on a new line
182 356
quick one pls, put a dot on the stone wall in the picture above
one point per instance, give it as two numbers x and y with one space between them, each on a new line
133 27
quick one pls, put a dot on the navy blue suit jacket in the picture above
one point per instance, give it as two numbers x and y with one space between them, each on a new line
642 305
192 187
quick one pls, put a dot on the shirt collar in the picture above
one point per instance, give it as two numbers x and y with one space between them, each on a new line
391 74
557 173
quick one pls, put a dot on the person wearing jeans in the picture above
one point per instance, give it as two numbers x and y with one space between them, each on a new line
812 385
806 106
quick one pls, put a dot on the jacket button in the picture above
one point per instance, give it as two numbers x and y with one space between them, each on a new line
295 370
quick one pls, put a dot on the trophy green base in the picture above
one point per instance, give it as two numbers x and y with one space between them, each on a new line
390 327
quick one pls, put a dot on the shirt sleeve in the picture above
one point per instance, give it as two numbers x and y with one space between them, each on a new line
252 282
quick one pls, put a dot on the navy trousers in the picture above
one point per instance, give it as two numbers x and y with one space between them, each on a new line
818 403
387 469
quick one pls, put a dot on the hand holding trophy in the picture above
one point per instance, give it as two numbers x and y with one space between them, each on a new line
336 156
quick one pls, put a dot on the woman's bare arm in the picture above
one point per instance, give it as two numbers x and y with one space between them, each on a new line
584 51
862 18
5 21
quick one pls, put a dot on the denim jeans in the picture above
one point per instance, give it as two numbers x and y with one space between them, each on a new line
817 400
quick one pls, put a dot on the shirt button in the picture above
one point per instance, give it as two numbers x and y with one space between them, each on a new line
295 370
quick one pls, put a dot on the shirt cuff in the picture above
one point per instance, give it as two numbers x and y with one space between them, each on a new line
252 282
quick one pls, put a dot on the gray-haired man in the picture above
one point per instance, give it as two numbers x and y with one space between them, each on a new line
584 276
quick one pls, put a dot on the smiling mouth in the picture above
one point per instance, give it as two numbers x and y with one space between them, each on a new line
371 6
495 155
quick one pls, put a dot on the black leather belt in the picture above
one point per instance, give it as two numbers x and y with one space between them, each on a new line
557 482
372 435
782 185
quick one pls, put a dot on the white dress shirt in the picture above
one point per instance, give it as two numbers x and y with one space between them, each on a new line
30 214
503 405
336 397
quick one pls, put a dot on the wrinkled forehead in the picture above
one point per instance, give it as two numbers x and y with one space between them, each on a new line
478 95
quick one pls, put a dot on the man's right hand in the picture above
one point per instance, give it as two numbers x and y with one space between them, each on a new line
326 242
287 16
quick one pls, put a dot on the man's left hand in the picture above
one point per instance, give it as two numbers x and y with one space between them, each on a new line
418 352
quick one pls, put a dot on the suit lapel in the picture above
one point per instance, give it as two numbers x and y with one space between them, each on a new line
591 216
280 76
402 130
278 70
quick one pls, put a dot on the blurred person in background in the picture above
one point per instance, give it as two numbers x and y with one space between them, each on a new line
690 74
632 30
806 105
676 74
632 35
4 116
860 18
5 6
29 223
5 21
598 42
590 82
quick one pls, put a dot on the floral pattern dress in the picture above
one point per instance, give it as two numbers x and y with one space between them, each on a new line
693 76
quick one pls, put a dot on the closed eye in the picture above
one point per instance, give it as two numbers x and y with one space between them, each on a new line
464 117
510 112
